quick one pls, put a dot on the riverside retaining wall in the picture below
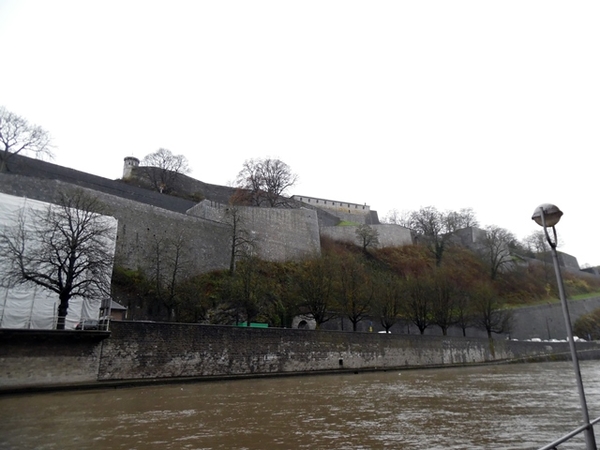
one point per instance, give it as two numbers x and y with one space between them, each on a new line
138 351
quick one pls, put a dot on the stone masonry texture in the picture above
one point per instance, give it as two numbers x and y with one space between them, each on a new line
168 351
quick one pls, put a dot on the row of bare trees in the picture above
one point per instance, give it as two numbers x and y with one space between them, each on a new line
401 284
392 286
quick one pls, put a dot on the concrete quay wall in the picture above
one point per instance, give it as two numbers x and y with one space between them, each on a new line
150 352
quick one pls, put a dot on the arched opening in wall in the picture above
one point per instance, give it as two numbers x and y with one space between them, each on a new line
303 325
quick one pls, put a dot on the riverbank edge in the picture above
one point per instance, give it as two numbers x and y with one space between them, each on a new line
592 354
135 354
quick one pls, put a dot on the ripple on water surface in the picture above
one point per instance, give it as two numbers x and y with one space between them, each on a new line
510 406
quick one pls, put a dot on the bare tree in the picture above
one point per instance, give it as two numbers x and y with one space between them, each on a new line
242 240
65 249
489 313
367 236
444 298
463 315
388 300
418 308
431 227
314 283
536 242
434 228
17 135
395 217
162 167
266 181
355 289
170 264
457 220
248 289
495 249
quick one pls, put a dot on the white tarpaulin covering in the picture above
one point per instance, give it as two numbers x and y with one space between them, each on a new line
31 306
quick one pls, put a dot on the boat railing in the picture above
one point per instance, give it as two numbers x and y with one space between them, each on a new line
554 445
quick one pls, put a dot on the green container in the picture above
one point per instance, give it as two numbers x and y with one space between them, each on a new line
252 324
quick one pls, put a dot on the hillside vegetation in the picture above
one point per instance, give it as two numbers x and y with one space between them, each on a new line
388 285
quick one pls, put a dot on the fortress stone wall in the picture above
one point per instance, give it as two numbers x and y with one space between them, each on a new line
389 235
280 234
139 224
145 216
334 205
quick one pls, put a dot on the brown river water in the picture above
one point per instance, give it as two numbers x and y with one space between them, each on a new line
517 406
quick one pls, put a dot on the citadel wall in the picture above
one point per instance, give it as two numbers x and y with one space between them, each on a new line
146 216
139 224
390 235
334 205
564 259
280 234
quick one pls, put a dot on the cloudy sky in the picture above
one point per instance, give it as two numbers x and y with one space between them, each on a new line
492 105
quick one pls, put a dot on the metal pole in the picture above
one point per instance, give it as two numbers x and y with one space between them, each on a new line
590 440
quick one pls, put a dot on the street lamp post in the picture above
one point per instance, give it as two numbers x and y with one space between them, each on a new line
547 215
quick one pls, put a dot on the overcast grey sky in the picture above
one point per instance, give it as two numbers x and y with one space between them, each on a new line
397 104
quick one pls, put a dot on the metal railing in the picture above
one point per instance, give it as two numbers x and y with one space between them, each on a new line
554 445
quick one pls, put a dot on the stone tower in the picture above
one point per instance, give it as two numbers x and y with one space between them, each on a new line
129 163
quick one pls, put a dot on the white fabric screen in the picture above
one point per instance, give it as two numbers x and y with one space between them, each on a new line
31 306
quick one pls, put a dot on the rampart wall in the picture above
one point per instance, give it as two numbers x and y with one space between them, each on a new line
389 235
334 205
137 351
140 224
280 234
564 259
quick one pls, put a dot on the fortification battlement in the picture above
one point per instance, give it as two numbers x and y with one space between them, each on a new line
334 205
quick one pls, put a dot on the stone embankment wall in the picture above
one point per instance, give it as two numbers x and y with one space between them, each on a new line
30 358
137 351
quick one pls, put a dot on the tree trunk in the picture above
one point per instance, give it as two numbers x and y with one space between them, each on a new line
62 313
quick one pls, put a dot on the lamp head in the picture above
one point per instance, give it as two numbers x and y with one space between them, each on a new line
550 212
